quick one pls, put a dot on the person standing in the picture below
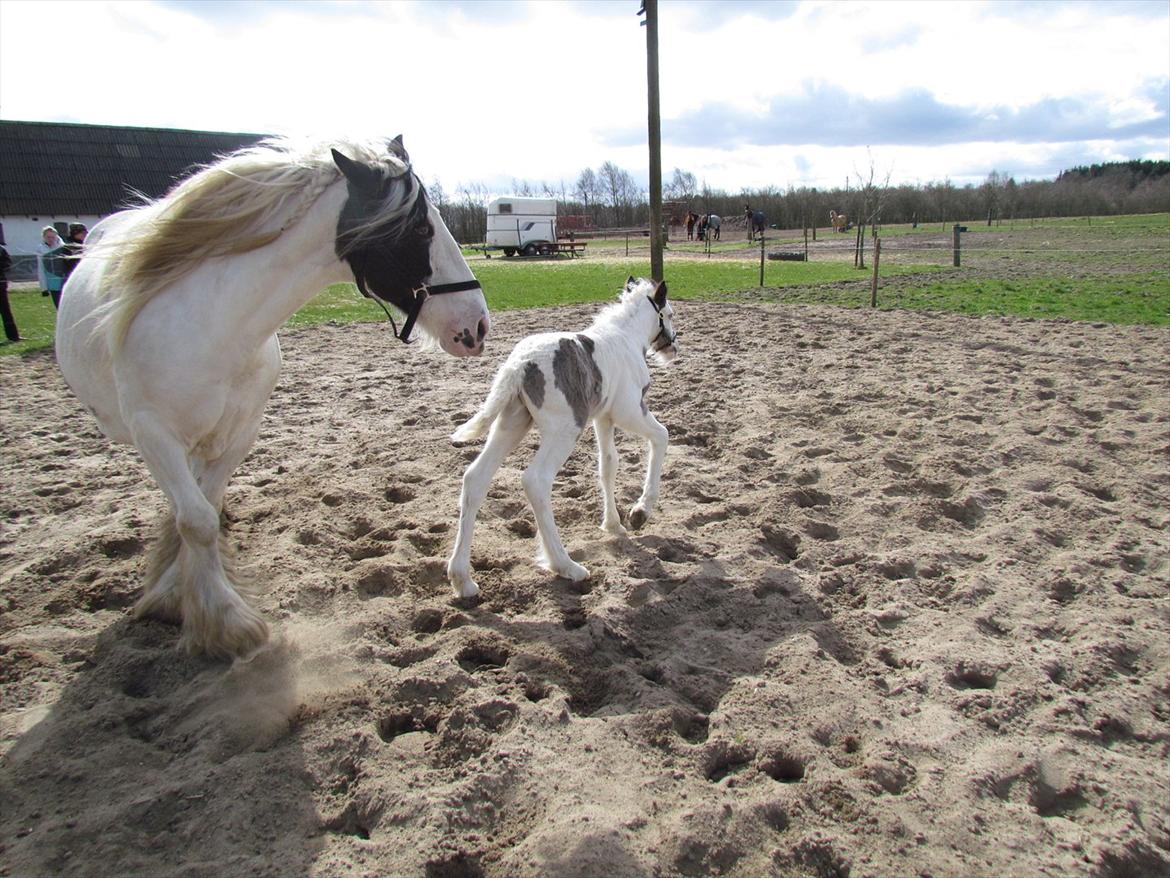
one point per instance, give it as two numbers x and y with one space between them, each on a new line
10 330
67 256
51 282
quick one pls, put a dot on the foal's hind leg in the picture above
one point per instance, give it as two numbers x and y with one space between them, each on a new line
611 521
506 432
555 447
216 620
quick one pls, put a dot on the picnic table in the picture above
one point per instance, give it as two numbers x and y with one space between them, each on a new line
573 248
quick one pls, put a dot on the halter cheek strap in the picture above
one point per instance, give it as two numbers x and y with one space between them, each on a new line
417 296
671 337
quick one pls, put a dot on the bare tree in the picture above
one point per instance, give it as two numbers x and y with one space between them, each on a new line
682 186
618 190
436 194
587 188
991 192
871 197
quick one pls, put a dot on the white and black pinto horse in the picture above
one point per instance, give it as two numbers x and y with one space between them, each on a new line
562 382
167 330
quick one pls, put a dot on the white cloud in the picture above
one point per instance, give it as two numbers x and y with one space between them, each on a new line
494 91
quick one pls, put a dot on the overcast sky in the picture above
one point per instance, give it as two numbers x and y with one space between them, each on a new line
755 93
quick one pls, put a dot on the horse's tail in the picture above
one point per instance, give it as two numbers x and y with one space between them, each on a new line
505 388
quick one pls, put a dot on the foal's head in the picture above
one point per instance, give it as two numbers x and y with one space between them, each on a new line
397 245
662 344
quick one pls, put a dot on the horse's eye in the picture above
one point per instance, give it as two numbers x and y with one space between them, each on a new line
423 230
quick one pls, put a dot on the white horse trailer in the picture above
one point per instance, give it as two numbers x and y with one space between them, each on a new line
522 225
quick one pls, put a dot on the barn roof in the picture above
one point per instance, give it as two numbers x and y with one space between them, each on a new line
57 168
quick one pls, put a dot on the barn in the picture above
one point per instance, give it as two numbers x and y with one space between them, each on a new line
55 173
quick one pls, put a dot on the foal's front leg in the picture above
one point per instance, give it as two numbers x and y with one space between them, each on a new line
646 425
554 450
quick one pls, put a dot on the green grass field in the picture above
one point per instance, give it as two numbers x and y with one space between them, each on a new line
1103 269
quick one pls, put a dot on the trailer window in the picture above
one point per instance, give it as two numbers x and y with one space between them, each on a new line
505 208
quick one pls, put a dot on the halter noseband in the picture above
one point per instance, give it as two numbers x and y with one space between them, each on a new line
417 296
670 336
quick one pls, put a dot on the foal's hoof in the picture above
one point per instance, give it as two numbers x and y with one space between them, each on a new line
638 517
464 590
459 575
573 571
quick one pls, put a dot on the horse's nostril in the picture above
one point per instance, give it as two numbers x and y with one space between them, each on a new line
482 329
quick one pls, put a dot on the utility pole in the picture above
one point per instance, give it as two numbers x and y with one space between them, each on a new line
650 10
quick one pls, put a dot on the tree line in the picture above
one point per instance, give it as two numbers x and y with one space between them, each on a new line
611 198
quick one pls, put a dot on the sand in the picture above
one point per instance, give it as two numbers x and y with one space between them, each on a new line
903 612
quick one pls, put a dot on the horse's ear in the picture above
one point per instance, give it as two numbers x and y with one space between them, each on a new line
630 281
660 295
397 149
365 178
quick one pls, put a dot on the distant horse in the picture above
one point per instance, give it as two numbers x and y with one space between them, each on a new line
692 219
712 224
167 330
562 381
839 221
756 222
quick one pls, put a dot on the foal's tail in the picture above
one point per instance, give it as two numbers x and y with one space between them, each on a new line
505 388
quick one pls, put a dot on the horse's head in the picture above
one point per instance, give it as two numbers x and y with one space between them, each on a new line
401 253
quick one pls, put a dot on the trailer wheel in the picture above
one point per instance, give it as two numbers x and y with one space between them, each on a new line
509 251
532 249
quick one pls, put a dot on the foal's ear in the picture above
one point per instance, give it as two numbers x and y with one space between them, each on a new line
363 177
397 149
630 281
660 295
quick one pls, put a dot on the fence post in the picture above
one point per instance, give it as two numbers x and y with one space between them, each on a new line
806 242
761 258
627 243
955 244
877 255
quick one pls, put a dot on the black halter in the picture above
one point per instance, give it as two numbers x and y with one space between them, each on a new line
417 296
670 336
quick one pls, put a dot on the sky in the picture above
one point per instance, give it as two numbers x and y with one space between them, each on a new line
754 93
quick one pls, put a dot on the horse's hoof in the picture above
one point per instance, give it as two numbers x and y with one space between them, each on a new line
240 632
612 529
161 605
638 517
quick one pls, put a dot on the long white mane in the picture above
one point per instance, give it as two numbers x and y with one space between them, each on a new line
238 204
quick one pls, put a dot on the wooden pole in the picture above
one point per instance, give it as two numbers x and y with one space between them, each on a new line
877 255
655 138
955 243
761 258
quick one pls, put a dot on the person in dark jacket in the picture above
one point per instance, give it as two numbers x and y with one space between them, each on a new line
10 330
64 259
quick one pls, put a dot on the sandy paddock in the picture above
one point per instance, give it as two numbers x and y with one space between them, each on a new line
903 613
